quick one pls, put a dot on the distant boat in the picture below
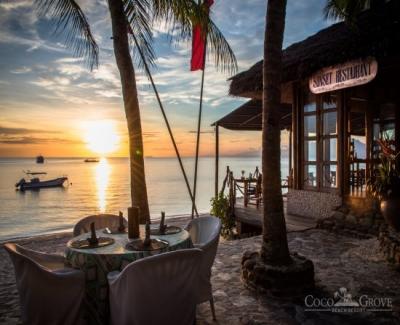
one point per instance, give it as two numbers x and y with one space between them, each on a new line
40 159
36 183
28 172
91 160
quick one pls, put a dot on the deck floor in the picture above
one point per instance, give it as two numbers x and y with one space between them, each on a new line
251 215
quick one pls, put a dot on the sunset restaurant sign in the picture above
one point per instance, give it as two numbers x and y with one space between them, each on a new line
349 74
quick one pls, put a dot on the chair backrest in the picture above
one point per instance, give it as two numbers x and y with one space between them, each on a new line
202 230
204 233
160 289
46 297
100 221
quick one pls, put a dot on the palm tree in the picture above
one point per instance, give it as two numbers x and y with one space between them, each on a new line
274 248
273 269
134 18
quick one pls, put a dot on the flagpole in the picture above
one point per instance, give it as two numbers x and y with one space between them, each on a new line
198 131
167 123
199 127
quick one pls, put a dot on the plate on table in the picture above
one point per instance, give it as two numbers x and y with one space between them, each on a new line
138 245
171 230
85 244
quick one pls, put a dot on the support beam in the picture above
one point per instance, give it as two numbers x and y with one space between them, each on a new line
290 183
216 158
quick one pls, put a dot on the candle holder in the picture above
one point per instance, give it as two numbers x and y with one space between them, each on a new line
93 240
163 226
147 241
121 227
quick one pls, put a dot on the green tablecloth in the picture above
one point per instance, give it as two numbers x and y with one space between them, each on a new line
98 262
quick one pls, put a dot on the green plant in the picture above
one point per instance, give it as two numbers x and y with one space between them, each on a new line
220 208
386 183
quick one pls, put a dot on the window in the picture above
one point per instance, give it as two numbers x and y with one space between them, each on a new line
310 141
320 146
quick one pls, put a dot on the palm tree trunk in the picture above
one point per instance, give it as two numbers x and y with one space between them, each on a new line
131 104
274 248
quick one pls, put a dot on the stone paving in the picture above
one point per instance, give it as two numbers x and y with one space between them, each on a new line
339 262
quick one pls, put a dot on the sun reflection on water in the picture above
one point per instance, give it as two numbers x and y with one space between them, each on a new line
102 172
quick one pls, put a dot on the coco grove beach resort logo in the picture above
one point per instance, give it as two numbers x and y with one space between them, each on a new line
343 302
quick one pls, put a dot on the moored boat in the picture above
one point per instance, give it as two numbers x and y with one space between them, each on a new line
28 172
40 159
91 160
36 183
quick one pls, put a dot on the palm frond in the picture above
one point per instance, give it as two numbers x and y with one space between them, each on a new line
70 21
347 10
181 15
139 18
220 49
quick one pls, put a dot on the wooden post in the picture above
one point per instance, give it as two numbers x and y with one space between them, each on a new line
290 180
216 159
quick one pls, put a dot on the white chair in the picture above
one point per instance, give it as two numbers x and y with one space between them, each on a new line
160 289
204 233
49 293
100 221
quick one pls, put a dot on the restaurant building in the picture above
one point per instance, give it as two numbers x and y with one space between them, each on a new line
340 94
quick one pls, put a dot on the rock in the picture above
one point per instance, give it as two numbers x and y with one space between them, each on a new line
351 219
338 215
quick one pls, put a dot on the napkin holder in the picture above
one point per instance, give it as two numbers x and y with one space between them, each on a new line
93 240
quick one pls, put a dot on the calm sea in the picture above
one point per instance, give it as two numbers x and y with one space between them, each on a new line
102 187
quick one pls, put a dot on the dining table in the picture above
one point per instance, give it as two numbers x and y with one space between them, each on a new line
97 262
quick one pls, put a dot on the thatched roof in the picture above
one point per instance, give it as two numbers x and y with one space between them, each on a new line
248 117
375 35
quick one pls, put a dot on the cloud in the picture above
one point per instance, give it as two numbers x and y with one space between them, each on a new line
21 70
153 134
202 132
18 136
15 4
29 140
12 131
38 71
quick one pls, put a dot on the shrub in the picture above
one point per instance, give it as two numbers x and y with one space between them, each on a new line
220 208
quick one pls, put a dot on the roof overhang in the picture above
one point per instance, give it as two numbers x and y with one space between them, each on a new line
248 117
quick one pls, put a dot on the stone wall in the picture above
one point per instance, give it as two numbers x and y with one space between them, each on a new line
353 221
311 203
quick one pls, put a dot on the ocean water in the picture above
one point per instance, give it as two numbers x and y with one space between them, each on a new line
102 187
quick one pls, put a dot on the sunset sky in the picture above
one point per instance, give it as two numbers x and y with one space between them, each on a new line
50 103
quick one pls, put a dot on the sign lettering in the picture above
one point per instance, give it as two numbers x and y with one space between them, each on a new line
345 75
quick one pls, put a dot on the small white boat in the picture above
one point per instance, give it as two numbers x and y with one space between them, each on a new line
36 183
91 160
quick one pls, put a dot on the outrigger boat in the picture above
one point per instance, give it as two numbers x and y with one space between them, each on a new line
36 183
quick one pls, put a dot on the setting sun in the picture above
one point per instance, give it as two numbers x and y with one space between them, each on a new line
101 137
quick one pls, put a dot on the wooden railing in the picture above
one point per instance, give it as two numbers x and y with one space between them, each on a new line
249 188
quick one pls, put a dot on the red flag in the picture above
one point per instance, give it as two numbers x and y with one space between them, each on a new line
199 45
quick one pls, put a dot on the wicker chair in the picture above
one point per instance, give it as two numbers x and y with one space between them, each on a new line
100 221
159 289
204 233
49 293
